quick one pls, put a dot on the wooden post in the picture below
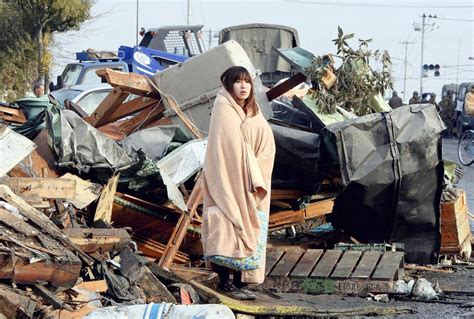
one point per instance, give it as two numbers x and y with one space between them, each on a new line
181 227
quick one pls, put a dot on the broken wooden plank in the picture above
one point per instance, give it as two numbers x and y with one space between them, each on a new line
278 194
54 188
307 263
182 116
59 273
41 221
367 264
273 257
326 264
181 227
50 298
129 82
106 200
291 217
98 239
95 286
113 100
286 264
128 108
346 264
15 303
390 266
17 223
85 191
141 120
152 248
285 86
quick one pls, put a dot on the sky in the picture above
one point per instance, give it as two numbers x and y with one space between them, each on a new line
449 39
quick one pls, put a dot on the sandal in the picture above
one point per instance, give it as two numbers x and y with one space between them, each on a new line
235 293
250 294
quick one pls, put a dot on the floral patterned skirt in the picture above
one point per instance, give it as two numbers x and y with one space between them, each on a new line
247 263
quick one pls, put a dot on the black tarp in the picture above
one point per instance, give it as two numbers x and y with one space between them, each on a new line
392 170
296 158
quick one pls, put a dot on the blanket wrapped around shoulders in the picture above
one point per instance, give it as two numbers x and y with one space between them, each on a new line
236 182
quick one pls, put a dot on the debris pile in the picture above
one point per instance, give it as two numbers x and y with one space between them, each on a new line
103 209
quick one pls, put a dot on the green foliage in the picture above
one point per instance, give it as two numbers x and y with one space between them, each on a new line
17 55
54 15
357 80
26 28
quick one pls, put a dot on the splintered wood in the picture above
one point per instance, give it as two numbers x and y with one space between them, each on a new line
106 200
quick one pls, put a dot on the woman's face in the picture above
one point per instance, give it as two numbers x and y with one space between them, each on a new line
242 89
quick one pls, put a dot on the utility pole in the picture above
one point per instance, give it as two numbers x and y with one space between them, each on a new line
136 31
457 66
422 51
406 43
188 16
422 28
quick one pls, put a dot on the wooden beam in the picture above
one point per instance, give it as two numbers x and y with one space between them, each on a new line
17 223
284 87
50 298
181 227
128 108
60 272
129 82
95 239
106 200
76 108
16 303
291 217
142 119
41 220
105 109
54 188
278 194
152 248
186 121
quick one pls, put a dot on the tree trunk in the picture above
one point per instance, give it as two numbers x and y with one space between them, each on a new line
39 42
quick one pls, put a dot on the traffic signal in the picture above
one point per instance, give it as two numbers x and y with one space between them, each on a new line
431 67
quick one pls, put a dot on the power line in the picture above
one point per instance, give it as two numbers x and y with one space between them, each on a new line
378 5
454 19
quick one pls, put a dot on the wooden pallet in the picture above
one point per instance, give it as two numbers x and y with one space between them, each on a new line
333 271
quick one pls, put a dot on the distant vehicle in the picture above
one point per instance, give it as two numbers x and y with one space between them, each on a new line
462 120
451 86
158 49
259 42
87 96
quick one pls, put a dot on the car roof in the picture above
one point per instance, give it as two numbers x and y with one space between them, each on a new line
92 86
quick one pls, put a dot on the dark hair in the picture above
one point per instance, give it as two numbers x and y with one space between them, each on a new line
37 86
232 75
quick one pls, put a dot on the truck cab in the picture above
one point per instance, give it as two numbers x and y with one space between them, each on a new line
83 71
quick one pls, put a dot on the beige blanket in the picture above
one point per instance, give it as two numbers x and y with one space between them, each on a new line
236 182
469 104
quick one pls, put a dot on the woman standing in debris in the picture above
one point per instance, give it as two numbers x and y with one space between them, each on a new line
236 184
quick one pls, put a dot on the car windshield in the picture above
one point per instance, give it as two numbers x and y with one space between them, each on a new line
71 74
63 94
